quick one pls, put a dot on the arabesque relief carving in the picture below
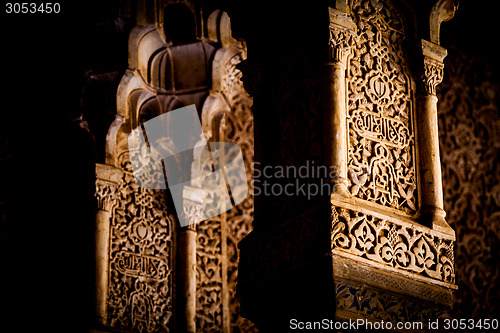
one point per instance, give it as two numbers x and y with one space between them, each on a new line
218 237
238 128
393 243
141 248
144 232
433 75
381 162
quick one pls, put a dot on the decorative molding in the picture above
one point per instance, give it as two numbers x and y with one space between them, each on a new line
405 285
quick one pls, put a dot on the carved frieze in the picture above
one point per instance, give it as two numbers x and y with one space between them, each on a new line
393 243
381 157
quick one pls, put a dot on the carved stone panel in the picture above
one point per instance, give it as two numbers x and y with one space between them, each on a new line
230 119
141 252
381 157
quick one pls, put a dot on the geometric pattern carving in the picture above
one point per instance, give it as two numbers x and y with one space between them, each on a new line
140 260
381 161
394 243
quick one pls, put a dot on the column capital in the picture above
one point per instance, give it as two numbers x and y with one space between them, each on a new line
342 29
433 70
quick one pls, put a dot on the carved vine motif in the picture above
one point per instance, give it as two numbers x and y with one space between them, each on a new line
433 75
141 244
469 123
382 143
396 245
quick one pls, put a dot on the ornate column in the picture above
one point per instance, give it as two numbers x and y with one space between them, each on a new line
428 143
385 261
341 30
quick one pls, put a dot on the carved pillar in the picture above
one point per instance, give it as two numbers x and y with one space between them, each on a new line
429 160
341 29
385 262
108 179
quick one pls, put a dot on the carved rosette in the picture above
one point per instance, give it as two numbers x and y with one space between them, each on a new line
381 157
